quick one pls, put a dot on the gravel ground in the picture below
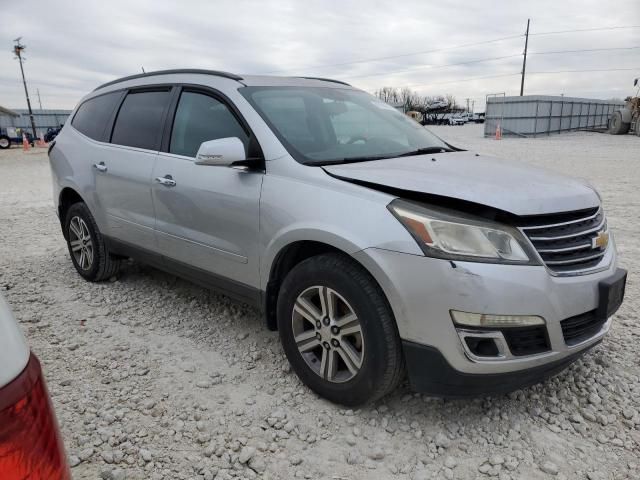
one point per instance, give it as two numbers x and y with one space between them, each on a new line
155 378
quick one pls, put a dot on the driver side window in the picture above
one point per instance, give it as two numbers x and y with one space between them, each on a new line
200 118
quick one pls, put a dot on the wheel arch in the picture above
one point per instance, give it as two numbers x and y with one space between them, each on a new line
67 197
287 257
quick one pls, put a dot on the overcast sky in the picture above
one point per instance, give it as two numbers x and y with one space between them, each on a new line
74 46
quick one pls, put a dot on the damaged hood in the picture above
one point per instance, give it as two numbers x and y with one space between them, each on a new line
510 186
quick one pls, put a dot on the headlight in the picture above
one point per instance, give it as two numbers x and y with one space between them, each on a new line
453 236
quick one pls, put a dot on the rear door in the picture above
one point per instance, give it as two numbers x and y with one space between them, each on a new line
207 216
123 172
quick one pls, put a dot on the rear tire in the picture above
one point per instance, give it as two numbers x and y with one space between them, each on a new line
5 142
363 359
86 245
617 126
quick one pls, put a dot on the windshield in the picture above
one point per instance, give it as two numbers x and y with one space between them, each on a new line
320 126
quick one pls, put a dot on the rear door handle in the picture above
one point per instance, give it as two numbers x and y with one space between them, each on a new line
101 167
167 181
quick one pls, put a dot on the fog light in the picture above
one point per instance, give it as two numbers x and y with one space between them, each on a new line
482 347
486 320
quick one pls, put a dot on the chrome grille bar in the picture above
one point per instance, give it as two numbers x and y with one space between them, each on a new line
572 235
572 246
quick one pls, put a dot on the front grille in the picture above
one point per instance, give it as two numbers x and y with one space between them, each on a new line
526 340
566 242
581 327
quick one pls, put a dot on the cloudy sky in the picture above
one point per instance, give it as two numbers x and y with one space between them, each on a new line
74 46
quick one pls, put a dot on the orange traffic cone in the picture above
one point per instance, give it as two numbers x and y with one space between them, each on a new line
41 142
25 143
498 132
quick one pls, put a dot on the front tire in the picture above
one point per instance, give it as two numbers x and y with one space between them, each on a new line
338 331
5 142
86 245
617 126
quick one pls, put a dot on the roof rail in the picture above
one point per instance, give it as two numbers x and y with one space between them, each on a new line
327 80
167 72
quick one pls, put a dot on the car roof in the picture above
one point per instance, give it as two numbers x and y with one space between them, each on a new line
247 80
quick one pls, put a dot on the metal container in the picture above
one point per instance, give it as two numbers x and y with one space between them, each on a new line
533 115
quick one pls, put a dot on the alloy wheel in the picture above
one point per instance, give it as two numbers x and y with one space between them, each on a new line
81 243
328 334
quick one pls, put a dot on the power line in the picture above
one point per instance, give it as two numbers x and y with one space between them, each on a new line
589 70
586 30
486 59
464 80
480 60
469 79
583 50
390 57
484 42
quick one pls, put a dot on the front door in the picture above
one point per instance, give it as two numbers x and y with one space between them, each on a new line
207 217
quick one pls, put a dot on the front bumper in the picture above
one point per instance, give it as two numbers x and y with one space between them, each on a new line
423 290
430 373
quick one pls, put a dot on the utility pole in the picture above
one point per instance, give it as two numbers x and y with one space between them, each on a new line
468 99
17 49
39 100
524 62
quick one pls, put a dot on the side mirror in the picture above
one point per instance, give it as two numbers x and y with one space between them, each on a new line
222 152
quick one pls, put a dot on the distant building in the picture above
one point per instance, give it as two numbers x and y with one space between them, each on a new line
18 118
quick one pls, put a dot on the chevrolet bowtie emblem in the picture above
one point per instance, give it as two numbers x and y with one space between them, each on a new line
601 241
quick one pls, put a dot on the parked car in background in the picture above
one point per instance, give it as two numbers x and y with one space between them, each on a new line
457 120
52 133
368 242
478 117
30 442
8 138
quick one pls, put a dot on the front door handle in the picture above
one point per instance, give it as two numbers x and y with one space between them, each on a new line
167 181
101 167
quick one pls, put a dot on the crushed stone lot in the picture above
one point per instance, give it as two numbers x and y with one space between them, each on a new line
155 378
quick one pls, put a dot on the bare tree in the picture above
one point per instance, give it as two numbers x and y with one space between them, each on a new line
409 99
388 94
453 105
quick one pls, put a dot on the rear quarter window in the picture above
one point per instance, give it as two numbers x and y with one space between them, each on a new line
92 116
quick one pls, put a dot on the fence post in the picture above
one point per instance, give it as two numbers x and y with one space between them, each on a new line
560 119
571 117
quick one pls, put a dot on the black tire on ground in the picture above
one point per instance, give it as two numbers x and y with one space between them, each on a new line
382 361
102 265
617 126
5 142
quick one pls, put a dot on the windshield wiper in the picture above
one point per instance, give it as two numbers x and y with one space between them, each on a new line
425 150
419 151
340 161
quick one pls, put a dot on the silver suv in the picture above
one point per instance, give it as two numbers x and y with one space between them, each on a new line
370 244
